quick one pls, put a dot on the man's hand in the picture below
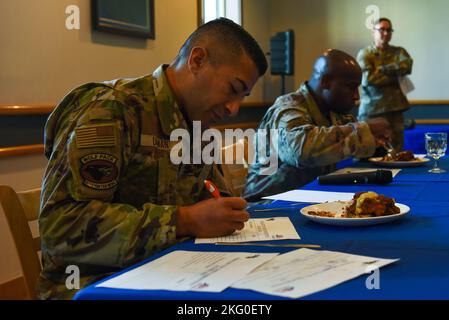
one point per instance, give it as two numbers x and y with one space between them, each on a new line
381 130
382 69
391 68
212 218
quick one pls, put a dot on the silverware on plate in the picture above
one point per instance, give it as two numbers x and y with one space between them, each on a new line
390 149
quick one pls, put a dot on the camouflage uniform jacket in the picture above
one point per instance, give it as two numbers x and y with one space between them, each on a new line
110 193
310 144
381 92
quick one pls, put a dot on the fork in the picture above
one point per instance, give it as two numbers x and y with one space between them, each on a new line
390 150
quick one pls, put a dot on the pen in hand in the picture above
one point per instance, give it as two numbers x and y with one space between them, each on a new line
212 189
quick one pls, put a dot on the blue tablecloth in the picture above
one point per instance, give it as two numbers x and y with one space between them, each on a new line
420 240
414 139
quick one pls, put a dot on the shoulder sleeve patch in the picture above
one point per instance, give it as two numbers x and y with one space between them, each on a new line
98 135
99 171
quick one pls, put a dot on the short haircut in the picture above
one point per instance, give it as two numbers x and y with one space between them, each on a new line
383 19
228 35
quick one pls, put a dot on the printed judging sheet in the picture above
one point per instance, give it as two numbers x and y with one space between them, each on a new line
190 271
302 272
261 229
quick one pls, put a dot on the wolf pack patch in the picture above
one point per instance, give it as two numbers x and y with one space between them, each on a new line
99 171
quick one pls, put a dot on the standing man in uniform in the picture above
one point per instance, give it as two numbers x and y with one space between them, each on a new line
383 65
111 196
315 128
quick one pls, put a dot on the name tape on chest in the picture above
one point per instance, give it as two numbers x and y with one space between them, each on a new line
147 140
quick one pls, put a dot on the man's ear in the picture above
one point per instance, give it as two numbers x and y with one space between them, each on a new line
197 59
325 82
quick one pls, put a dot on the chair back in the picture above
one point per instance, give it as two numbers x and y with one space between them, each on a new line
20 208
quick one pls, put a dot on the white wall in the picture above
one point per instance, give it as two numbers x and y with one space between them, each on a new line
255 19
421 27
41 60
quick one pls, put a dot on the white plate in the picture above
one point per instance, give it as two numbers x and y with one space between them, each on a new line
338 207
399 164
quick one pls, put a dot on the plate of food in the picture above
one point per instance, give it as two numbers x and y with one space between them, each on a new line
402 159
366 208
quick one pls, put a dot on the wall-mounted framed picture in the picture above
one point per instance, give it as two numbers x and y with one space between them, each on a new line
133 18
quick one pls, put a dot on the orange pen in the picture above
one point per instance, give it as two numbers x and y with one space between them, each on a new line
212 189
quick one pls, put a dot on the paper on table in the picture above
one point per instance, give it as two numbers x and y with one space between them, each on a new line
278 228
311 196
304 271
356 170
190 271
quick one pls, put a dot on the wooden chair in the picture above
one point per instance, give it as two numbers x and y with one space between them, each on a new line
21 208
235 168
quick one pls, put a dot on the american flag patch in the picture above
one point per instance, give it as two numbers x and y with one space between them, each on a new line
95 136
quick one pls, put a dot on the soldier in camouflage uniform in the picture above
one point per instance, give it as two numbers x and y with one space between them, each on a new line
315 129
111 196
382 66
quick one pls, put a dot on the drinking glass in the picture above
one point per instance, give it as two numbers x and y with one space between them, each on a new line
436 145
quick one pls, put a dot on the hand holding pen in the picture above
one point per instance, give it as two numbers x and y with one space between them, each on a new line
214 217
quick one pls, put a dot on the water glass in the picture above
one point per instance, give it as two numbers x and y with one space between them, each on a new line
436 145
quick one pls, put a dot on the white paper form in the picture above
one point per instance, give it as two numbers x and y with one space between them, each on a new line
190 271
302 272
406 84
357 170
311 196
260 229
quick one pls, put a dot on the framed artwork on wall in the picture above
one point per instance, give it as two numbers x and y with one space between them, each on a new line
133 18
